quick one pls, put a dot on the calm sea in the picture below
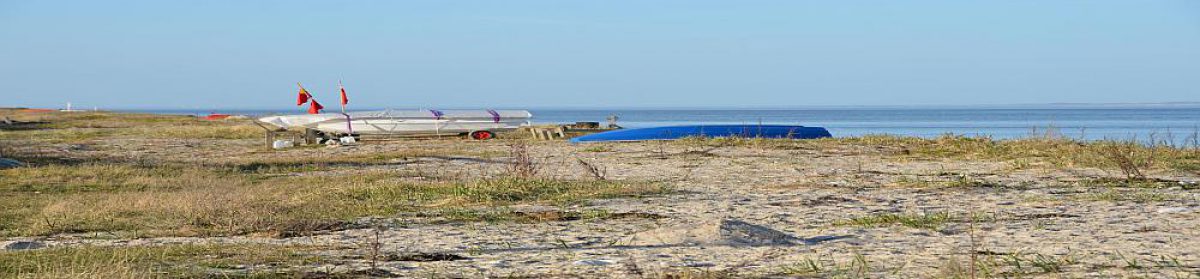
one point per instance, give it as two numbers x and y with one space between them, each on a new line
1174 124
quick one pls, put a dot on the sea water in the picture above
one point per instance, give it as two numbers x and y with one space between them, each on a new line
1178 125
1089 124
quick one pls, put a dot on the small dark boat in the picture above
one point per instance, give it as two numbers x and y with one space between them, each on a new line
677 132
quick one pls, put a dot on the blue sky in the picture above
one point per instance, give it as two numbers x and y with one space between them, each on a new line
249 54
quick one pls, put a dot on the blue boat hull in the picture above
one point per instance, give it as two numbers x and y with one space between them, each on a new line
677 132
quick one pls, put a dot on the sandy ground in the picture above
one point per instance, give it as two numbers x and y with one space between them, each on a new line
1032 225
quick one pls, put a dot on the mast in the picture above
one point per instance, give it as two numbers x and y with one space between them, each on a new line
343 101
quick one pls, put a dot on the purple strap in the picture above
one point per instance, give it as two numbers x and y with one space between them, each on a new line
437 114
495 115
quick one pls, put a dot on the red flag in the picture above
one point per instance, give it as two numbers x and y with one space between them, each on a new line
344 99
314 107
304 96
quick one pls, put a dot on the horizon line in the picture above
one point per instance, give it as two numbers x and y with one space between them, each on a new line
1180 104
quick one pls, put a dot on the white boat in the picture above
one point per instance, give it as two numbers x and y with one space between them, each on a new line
479 124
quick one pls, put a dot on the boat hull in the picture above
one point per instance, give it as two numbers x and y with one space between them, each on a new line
407 122
677 132
414 126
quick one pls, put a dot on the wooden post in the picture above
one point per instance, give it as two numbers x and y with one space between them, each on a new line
270 133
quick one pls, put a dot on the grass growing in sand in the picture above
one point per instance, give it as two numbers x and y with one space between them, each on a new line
930 221
87 126
991 264
856 267
1024 153
1113 195
956 181
102 177
1014 265
198 201
300 161
187 260
246 194
598 148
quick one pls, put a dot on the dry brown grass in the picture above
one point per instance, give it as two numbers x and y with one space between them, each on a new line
59 120
103 177
60 127
205 202
1132 160
248 194
523 164
303 160
1044 151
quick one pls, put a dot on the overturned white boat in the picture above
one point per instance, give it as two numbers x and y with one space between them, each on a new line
478 124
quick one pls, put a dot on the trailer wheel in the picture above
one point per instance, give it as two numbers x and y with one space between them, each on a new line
481 135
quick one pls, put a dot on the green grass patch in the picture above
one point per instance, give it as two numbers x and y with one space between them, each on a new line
65 135
958 181
500 191
1115 195
1014 265
230 204
177 261
1130 183
303 161
930 221
857 266
105 177
597 148
508 215
89 126
1023 153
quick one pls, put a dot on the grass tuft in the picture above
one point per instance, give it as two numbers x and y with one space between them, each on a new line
930 221
189 260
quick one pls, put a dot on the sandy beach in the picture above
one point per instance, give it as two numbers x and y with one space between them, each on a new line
121 195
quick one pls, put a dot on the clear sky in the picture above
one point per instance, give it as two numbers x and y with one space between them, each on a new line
250 54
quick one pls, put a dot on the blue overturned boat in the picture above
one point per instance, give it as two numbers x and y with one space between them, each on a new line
716 131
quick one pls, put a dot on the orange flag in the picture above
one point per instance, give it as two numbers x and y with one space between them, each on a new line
314 107
344 99
304 96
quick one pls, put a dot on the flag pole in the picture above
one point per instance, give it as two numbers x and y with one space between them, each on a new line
342 100
342 91
306 95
